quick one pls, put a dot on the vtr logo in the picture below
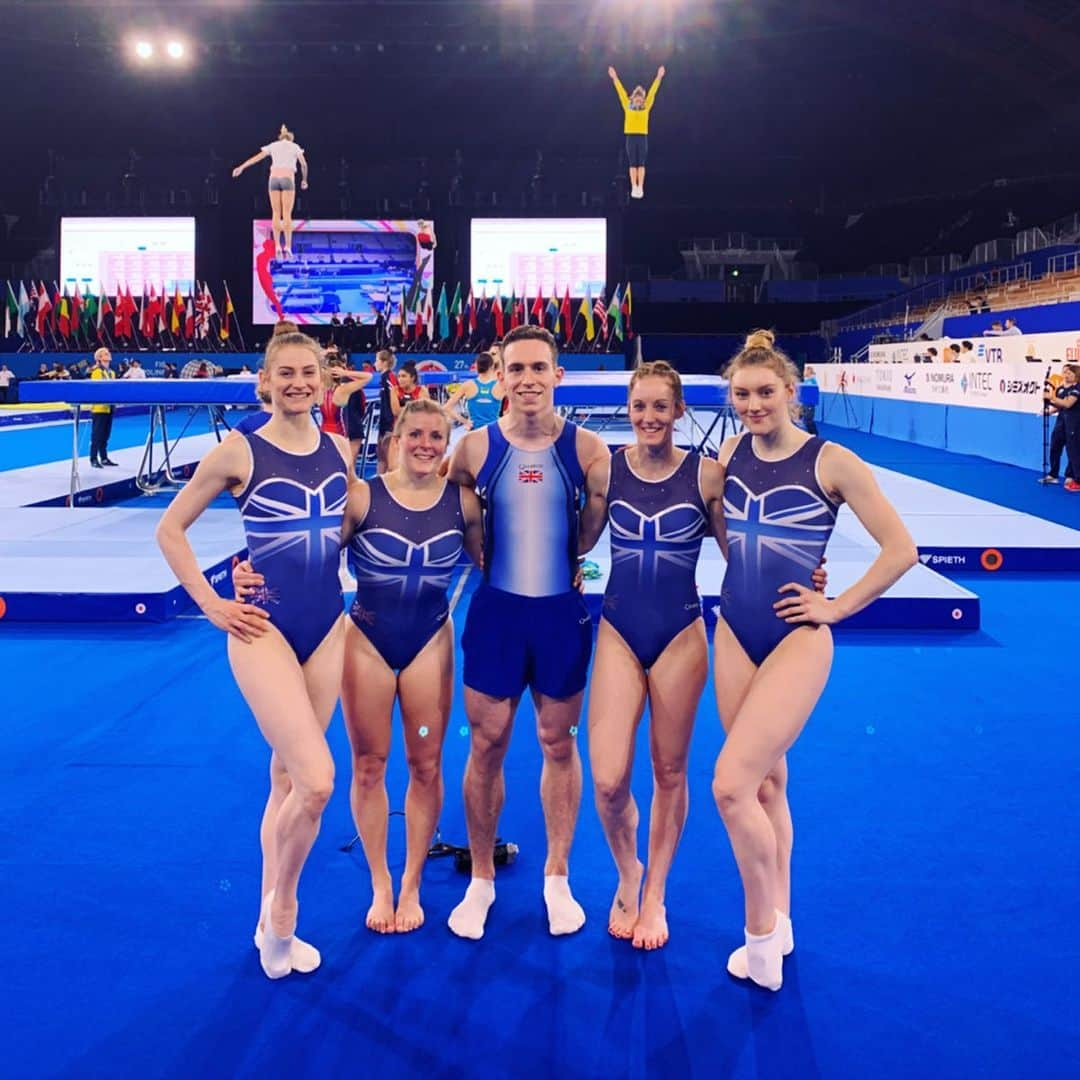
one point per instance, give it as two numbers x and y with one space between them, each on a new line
909 384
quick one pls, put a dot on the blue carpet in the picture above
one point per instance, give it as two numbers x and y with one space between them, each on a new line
937 876
1006 485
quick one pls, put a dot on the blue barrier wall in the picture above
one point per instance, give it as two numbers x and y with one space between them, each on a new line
690 353
25 365
1013 438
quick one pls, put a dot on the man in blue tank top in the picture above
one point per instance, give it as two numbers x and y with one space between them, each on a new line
482 395
527 624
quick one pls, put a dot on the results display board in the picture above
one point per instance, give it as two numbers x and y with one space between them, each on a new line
341 268
101 253
527 255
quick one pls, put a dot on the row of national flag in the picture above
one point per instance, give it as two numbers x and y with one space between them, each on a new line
465 319
59 317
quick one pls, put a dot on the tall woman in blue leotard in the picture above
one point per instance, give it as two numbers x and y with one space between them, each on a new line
406 531
773 646
285 647
659 502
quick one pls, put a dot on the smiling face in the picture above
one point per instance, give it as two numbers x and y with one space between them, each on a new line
530 376
654 410
761 398
293 378
423 435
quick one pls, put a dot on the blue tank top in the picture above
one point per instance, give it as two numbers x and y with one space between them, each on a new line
403 559
531 501
292 507
779 520
656 532
484 407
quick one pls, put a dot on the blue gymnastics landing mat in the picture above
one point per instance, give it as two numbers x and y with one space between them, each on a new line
75 565
102 564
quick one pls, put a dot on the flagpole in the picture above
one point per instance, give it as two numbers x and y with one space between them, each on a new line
236 321
50 322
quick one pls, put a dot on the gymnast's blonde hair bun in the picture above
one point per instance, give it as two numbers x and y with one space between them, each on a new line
285 133
760 350
760 339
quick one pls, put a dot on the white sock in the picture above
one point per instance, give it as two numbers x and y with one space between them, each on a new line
765 957
565 914
303 957
468 918
737 964
274 954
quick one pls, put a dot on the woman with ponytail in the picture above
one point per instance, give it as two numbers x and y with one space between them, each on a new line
284 156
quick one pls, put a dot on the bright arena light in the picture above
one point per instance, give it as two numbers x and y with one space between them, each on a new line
144 50
176 50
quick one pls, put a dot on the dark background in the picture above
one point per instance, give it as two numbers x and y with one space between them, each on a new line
775 118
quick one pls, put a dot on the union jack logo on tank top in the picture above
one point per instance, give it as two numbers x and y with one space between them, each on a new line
530 474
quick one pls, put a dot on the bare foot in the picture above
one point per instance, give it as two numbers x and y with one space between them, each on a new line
380 916
651 931
624 908
409 914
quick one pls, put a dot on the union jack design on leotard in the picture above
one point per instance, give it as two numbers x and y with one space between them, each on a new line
789 523
283 516
646 541
384 558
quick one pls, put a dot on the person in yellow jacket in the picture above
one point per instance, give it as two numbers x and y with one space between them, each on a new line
101 415
636 109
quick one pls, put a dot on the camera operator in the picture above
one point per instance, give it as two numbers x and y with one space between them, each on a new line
1066 434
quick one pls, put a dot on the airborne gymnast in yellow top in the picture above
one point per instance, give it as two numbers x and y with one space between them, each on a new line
636 109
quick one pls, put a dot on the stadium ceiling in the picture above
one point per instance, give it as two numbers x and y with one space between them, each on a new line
998 38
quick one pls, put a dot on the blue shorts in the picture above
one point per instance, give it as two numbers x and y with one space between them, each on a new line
637 150
512 641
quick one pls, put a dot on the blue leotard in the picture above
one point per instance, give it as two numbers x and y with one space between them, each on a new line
403 560
779 520
656 531
484 407
292 509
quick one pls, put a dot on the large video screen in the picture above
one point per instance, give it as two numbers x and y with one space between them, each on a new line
522 255
102 253
340 268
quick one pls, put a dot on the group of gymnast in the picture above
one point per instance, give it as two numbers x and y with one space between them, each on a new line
524 495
